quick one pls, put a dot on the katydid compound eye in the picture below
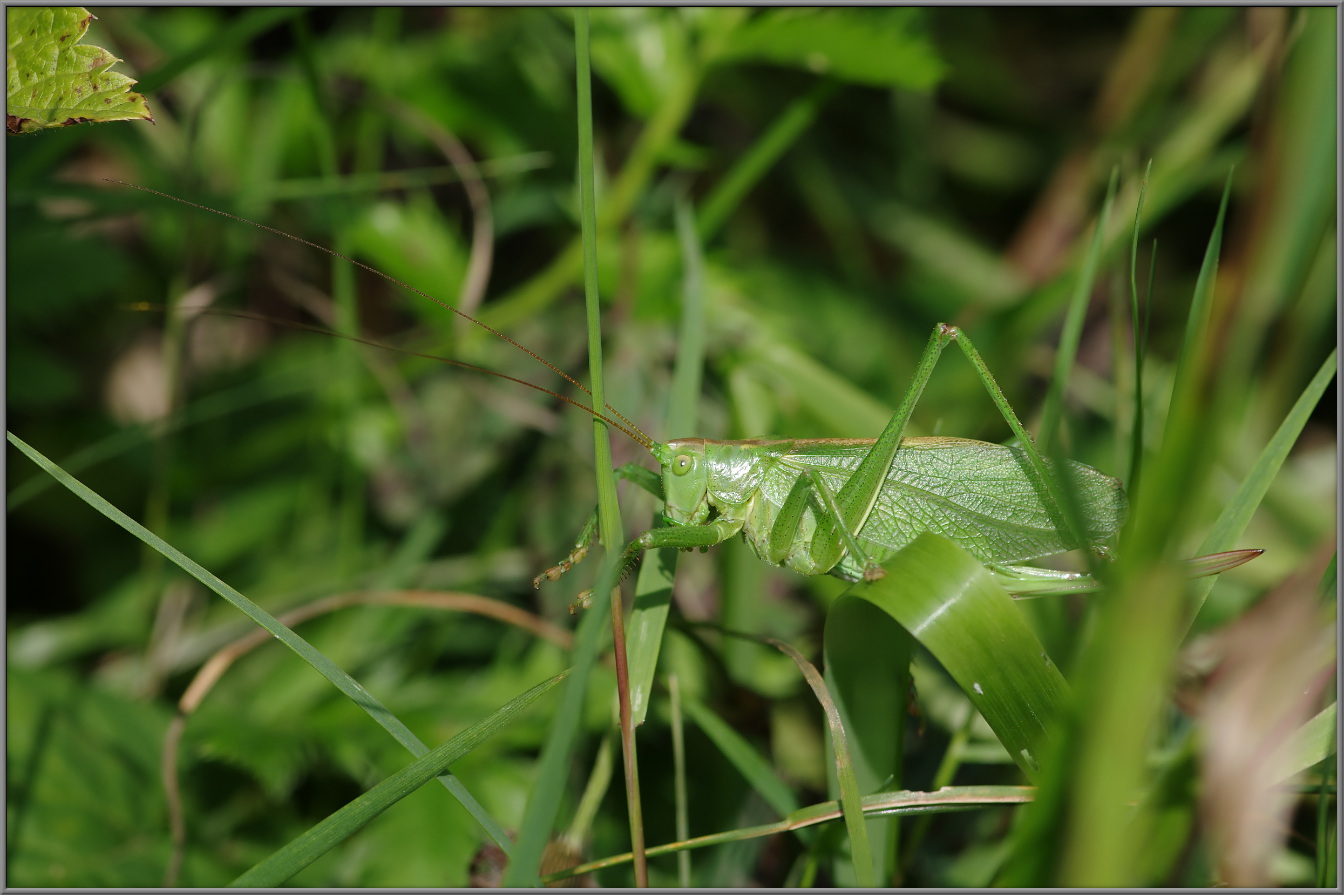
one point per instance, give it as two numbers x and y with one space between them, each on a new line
682 464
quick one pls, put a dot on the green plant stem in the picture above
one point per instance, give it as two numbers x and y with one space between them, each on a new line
951 798
679 780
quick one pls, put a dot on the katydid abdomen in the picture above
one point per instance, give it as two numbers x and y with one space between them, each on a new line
978 494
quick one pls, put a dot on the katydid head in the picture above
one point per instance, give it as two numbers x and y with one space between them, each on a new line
685 480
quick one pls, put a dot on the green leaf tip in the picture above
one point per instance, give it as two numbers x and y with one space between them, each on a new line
52 80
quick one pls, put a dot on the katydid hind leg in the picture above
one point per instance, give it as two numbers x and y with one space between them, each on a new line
1026 582
1058 504
857 497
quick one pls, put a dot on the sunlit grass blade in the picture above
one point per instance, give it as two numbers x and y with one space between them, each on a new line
1313 742
953 607
347 821
324 666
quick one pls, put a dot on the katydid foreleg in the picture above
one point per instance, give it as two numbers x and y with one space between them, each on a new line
630 472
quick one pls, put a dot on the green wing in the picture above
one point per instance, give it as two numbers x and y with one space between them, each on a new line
978 494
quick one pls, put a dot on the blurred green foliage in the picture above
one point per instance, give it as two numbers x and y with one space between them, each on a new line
931 165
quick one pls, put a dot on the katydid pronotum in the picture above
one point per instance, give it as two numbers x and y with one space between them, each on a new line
844 506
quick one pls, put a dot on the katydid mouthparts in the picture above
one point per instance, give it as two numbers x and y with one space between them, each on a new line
843 506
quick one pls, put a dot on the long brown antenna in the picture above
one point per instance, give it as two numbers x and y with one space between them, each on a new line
629 428
637 436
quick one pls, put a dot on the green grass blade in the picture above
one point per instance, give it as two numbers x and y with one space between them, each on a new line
868 656
1139 333
1179 467
599 779
1237 514
553 766
954 608
623 192
1067 353
346 821
648 619
657 571
1103 759
306 651
1311 743
681 800
608 509
683 408
851 802
743 756
729 192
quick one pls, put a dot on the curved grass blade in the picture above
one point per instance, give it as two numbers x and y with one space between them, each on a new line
868 656
306 651
346 821
851 804
951 604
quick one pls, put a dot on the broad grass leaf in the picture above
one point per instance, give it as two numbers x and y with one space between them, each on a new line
954 608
